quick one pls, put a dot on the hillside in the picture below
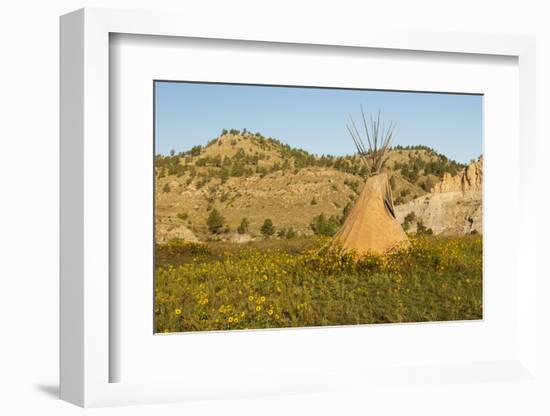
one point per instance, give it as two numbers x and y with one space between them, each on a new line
245 175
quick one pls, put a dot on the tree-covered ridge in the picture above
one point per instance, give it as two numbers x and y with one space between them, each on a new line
266 155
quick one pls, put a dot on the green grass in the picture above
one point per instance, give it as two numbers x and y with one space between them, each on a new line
295 283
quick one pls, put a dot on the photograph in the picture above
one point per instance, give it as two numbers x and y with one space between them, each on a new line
221 208
297 206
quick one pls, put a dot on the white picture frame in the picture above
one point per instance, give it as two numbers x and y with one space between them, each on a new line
86 356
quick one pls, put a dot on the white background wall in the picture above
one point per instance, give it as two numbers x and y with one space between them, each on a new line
29 180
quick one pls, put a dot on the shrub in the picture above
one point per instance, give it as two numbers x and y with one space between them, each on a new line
183 216
240 154
422 230
407 221
215 221
346 211
224 175
166 188
323 226
353 185
195 150
410 217
290 233
243 227
313 201
267 228
237 169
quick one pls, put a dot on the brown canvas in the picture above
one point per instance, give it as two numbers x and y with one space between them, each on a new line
371 225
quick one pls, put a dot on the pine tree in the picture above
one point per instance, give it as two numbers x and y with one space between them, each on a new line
267 228
215 221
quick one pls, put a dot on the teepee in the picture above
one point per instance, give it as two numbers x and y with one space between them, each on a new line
371 225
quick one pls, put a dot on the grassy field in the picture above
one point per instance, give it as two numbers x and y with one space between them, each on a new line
295 283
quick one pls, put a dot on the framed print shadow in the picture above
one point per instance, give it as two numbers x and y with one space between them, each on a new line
286 206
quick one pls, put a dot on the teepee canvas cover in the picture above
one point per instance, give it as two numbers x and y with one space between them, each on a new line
371 225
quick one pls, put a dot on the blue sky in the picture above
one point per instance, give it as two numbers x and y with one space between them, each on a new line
314 119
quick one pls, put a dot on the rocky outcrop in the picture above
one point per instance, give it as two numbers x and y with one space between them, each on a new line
470 179
166 232
445 213
454 206
240 238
